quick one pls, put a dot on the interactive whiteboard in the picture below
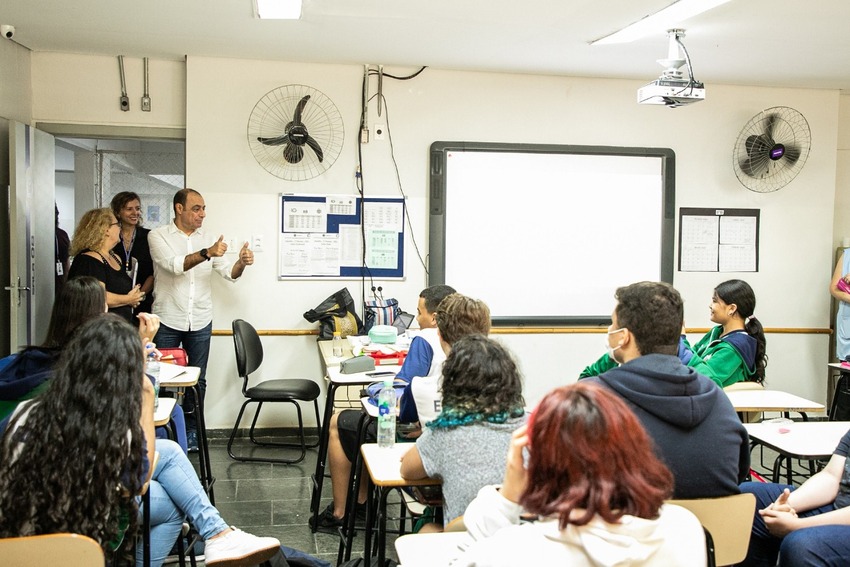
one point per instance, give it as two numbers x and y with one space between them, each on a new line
544 234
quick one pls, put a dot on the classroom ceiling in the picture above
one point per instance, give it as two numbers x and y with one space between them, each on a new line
744 42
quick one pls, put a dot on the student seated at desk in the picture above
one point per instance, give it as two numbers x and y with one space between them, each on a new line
466 444
695 428
460 315
587 468
733 351
26 374
75 458
809 525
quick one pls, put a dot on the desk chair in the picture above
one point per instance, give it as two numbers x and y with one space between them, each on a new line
727 521
249 356
68 550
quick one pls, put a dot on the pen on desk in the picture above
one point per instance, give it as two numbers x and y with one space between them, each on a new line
380 373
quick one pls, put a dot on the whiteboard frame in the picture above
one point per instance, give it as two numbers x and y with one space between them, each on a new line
437 223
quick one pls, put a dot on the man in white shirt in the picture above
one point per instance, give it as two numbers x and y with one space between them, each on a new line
184 258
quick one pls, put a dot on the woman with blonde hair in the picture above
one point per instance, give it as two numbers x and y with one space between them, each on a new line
95 237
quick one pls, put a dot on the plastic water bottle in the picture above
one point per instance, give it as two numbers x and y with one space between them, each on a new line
386 415
337 344
153 371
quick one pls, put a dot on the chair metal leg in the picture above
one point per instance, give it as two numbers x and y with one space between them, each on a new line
302 445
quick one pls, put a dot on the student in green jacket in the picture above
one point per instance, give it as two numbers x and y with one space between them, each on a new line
733 351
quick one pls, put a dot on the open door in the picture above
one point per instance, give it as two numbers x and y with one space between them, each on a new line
31 234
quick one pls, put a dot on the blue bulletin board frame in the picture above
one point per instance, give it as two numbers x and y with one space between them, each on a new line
315 226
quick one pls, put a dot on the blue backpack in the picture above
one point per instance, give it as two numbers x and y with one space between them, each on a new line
23 375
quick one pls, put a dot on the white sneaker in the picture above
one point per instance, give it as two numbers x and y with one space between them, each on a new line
239 549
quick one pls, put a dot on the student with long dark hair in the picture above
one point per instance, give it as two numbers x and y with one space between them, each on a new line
75 458
482 405
586 467
25 374
734 350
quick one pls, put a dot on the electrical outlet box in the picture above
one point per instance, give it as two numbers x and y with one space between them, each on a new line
257 243
380 132
233 245
146 104
125 103
364 135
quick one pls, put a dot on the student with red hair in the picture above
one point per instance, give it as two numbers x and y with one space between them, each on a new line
586 467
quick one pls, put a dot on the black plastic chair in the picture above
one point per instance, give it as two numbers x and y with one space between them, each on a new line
249 356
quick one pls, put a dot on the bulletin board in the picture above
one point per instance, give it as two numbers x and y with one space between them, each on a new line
323 236
718 240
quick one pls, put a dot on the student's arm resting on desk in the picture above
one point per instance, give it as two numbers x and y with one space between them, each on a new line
820 490
411 465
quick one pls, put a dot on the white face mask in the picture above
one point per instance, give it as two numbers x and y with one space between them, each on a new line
611 349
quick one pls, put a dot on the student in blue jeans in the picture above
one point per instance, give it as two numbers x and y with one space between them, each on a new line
76 457
807 526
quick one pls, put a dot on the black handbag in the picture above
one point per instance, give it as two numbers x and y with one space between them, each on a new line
336 313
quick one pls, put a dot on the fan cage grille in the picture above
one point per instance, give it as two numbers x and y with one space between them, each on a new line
272 114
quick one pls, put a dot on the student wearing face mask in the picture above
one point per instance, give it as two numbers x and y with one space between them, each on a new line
693 424
733 351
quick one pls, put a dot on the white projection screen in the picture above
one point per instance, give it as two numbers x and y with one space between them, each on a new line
544 234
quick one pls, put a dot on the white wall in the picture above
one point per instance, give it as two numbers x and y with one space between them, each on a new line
85 89
796 229
796 222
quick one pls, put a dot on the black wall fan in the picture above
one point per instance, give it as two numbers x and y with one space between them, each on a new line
771 149
295 132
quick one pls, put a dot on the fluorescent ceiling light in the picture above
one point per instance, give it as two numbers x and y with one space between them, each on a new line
660 21
278 9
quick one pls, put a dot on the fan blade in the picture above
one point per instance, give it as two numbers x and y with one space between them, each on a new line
757 144
274 141
792 154
316 148
299 109
754 167
292 153
771 122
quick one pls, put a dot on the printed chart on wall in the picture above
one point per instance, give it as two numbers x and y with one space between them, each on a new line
323 236
718 240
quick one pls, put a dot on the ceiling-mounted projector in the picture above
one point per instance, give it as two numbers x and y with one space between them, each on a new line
671 93
672 88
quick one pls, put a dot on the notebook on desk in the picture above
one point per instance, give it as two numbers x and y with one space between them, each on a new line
169 372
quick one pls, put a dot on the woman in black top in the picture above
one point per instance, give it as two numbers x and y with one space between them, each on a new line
96 235
133 244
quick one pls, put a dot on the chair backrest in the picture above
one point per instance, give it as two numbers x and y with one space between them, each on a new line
729 520
68 550
249 349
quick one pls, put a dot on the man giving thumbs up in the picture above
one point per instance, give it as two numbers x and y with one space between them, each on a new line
184 258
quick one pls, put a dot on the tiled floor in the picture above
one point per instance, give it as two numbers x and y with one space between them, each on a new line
273 499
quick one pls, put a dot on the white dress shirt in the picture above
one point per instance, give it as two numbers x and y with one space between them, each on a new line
183 298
